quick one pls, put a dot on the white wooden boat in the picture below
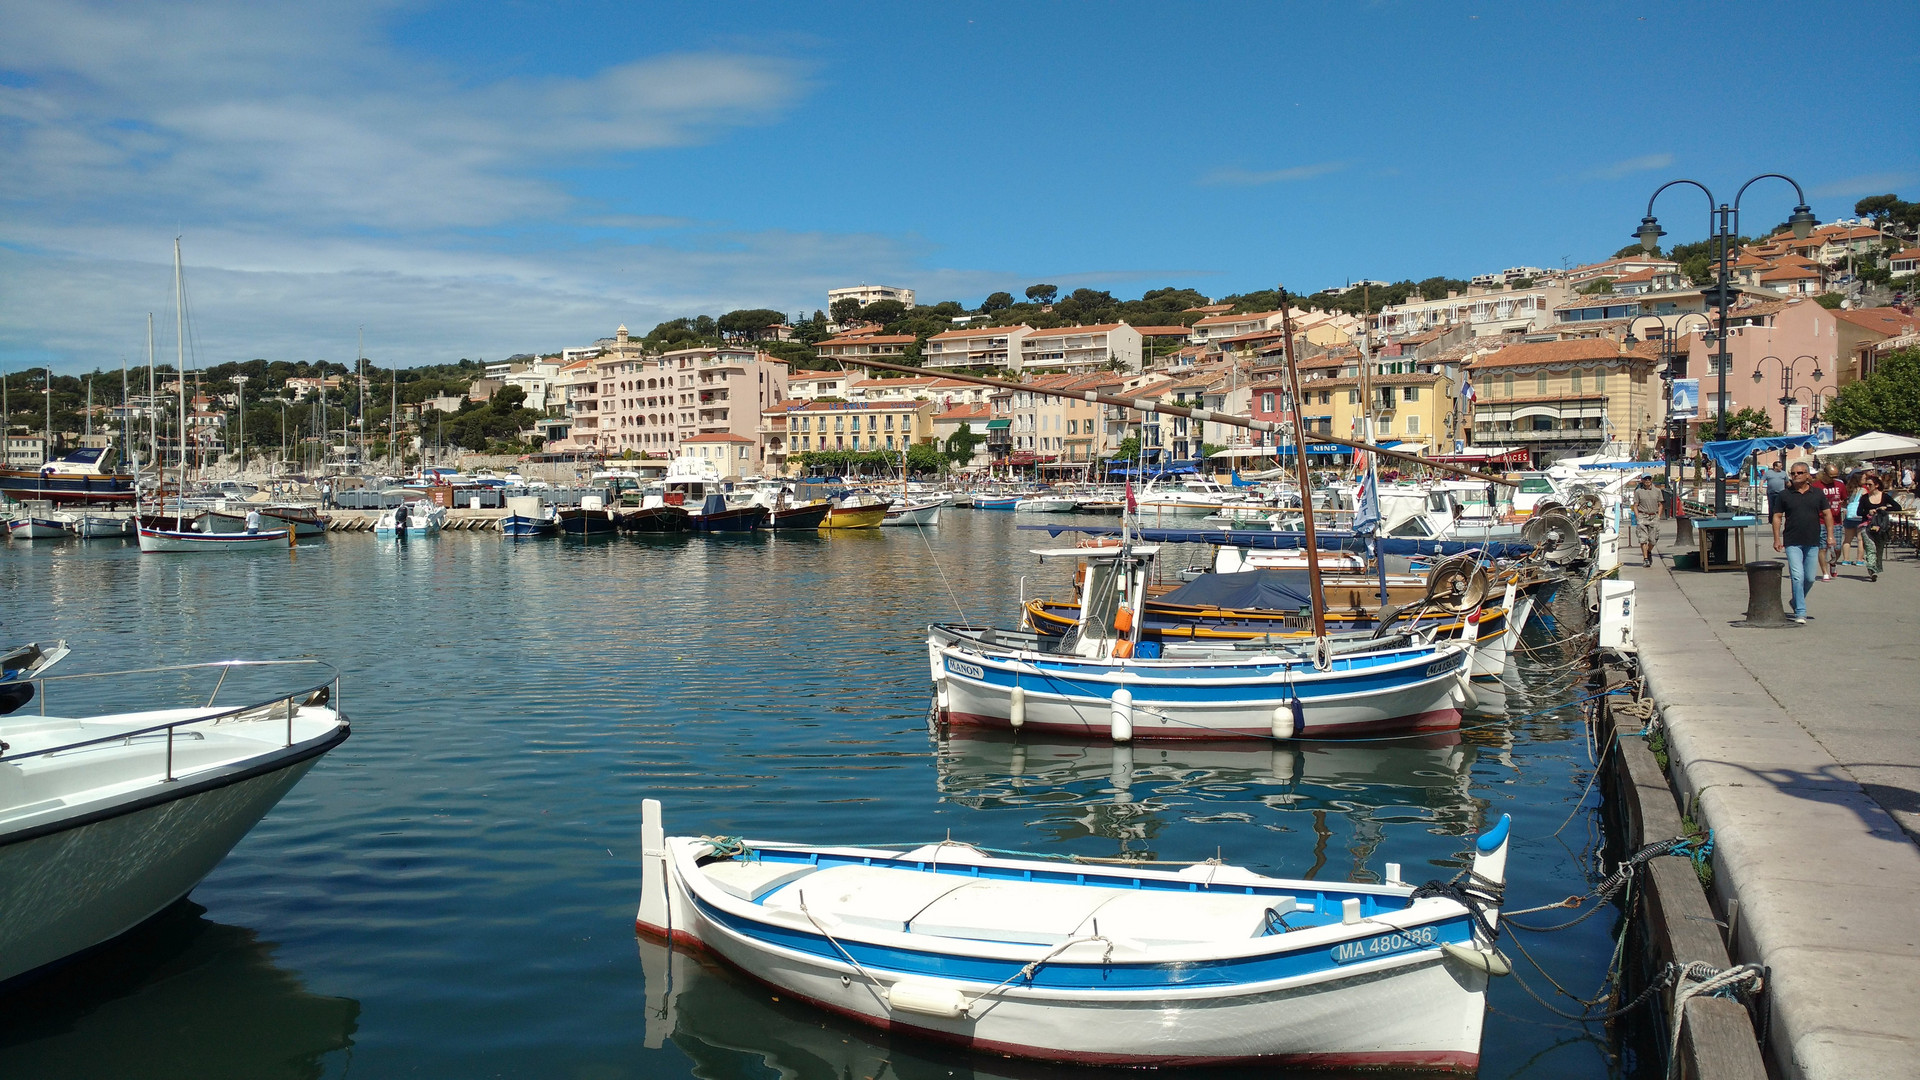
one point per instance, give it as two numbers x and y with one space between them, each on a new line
305 521
20 666
1092 964
1104 680
107 819
177 542
914 513
38 527
103 526
1045 504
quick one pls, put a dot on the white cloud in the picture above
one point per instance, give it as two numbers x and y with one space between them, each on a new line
1238 177
1879 183
1643 163
324 181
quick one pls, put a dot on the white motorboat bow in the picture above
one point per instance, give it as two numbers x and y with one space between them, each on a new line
107 819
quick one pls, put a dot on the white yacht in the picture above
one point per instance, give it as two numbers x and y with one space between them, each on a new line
107 819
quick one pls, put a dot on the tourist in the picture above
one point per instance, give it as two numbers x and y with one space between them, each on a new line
1835 489
1648 502
1800 517
253 521
1876 510
1850 522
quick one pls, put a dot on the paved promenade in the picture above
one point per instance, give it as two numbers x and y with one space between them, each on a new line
1802 747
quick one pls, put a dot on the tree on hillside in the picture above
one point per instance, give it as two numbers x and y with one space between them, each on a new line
1880 208
1042 294
999 301
1888 400
884 312
747 321
845 311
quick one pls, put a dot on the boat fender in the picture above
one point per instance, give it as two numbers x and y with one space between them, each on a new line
1017 709
1289 720
929 999
1490 961
1122 715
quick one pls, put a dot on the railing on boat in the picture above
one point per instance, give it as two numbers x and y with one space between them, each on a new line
326 691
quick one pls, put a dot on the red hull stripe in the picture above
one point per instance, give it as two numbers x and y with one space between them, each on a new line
1436 720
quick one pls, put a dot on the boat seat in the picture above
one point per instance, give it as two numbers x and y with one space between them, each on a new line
881 897
751 879
1163 917
1027 912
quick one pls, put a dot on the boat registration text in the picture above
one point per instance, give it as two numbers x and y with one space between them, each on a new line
1349 952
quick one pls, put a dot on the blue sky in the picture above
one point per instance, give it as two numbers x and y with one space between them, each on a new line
480 180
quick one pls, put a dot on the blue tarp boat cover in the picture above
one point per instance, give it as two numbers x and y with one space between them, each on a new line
1268 590
1730 453
1328 540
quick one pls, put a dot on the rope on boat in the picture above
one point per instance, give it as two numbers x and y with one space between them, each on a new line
831 940
1031 967
1477 894
726 847
1621 877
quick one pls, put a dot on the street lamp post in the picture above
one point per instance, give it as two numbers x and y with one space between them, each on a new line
1726 228
1673 363
1786 380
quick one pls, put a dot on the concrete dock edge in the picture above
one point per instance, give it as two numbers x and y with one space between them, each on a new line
1821 881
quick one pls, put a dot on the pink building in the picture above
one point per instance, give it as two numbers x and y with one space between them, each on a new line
1801 337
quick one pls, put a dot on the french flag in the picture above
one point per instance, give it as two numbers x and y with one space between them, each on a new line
1466 392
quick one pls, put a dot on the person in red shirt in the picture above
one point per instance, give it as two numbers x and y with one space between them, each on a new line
1835 490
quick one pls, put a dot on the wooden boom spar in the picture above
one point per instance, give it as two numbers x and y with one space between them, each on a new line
1203 415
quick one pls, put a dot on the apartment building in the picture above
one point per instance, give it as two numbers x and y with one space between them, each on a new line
854 347
1208 333
943 391
1566 398
736 456
974 417
1485 312
975 347
1617 268
868 294
808 385
863 426
1800 333
1077 348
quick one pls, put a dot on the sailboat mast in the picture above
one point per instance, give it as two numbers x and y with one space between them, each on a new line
180 374
1306 481
49 414
359 366
153 414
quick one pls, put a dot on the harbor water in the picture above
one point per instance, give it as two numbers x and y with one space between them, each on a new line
451 892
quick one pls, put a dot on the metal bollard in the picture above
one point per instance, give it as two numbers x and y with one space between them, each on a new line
1683 531
1764 610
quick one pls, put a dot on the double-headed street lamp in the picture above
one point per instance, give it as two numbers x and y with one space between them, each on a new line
1786 380
1673 365
1720 295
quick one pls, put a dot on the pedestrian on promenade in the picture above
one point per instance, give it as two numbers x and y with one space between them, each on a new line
1876 509
1850 522
1776 480
1648 502
1800 518
1835 489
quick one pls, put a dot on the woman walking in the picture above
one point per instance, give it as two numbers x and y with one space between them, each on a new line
1876 513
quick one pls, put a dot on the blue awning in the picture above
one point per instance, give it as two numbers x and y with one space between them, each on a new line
1730 453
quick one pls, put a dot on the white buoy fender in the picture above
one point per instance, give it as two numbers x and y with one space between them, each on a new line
929 999
1122 715
1487 960
1017 708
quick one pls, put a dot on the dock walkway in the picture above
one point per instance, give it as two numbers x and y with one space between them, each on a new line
1800 748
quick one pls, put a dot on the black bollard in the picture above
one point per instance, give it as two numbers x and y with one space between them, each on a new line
1683 532
1764 611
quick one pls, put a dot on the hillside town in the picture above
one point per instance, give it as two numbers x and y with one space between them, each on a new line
1521 366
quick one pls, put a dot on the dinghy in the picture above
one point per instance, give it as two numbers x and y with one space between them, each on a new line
172 541
1095 964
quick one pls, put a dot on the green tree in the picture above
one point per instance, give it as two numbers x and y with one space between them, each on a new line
924 458
845 310
1888 400
960 445
1747 423
1127 449
1042 294
1880 208
1830 301
884 312
999 301
748 321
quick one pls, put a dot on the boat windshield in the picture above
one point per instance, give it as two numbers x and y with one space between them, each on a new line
1102 600
1536 485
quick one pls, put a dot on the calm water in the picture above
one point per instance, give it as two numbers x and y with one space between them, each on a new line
451 892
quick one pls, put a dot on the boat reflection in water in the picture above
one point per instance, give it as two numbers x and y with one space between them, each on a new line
1136 794
180 996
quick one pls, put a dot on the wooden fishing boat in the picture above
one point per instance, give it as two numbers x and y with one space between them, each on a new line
33 526
913 513
662 518
1105 680
170 541
1094 964
856 516
807 516
584 522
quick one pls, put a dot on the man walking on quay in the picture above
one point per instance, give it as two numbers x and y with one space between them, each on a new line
1648 502
1800 520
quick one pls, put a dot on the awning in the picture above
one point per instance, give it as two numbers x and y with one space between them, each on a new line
1728 454
999 425
1250 452
1873 444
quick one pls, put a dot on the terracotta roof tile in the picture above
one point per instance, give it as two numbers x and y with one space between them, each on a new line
1557 352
